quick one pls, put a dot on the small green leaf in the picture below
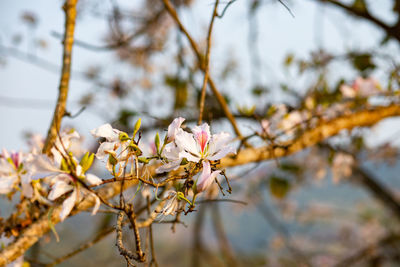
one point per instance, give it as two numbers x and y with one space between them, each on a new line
123 137
137 127
64 165
157 142
87 161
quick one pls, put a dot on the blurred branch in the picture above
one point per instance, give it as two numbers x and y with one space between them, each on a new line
100 236
363 13
200 59
207 63
309 138
369 251
379 190
70 16
223 241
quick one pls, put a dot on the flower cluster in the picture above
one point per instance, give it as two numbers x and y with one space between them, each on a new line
62 177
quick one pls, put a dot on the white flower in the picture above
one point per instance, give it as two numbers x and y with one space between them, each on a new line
201 145
171 152
12 172
63 144
112 142
62 182
206 177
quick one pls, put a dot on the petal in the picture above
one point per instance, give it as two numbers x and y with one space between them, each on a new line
5 167
186 141
218 142
93 179
104 148
171 152
27 189
107 132
59 189
41 165
96 205
206 177
189 156
173 128
202 135
6 184
222 153
68 205
174 165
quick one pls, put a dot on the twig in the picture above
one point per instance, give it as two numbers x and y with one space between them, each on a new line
217 94
369 250
207 63
70 14
221 237
152 250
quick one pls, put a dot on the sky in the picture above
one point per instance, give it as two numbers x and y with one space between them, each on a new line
279 34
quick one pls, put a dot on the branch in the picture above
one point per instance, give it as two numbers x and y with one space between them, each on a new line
309 138
364 14
196 50
70 16
207 63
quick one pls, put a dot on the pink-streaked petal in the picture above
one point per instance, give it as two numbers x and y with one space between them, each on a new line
93 179
107 132
189 156
171 166
173 128
186 141
59 189
202 135
68 205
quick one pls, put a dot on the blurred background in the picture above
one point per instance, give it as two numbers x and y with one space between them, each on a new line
130 61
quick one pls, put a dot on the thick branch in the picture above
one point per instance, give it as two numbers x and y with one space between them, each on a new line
309 138
70 16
